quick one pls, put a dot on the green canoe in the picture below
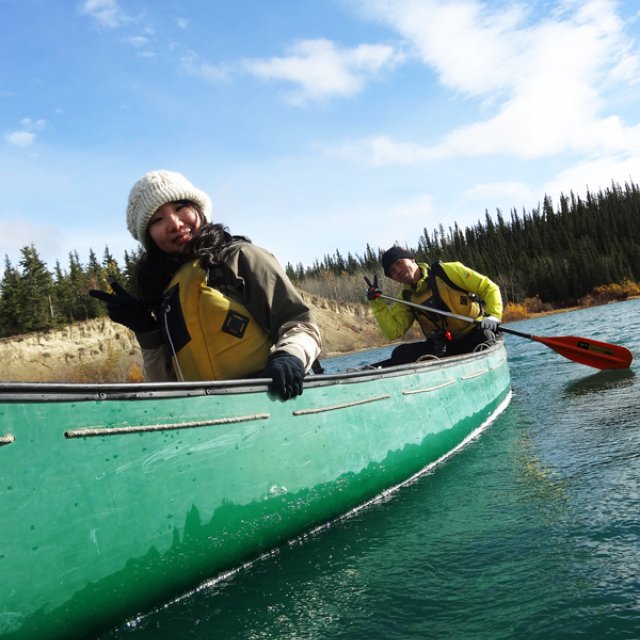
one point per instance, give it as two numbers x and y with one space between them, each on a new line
115 498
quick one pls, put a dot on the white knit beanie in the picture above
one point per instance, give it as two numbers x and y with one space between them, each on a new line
155 189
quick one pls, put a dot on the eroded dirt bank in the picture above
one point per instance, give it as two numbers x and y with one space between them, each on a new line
78 351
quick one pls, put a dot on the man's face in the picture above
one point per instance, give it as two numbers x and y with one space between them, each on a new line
405 270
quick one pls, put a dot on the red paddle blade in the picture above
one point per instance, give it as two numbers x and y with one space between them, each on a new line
600 355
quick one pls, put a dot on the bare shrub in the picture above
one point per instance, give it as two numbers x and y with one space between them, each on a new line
610 293
515 311
535 305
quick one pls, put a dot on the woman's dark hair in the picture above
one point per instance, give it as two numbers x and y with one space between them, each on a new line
156 267
154 272
209 244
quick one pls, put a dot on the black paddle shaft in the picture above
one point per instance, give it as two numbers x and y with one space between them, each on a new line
599 355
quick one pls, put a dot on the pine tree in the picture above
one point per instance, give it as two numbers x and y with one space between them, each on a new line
130 267
10 300
79 288
37 313
291 272
110 268
62 295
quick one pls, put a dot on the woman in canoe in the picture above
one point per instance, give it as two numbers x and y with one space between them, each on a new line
209 305
447 286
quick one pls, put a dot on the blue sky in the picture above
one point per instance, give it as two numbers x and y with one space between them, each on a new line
314 125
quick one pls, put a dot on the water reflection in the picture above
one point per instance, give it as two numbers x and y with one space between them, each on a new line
601 382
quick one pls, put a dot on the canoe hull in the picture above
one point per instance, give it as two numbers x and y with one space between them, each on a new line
120 497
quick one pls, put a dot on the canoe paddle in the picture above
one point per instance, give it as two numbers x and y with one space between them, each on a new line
600 355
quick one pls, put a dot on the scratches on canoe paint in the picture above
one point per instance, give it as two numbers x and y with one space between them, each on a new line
429 389
105 431
468 376
344 405
474 374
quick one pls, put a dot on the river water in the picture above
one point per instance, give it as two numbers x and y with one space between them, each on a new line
532 531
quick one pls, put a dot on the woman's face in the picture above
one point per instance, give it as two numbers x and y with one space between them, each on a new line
174 225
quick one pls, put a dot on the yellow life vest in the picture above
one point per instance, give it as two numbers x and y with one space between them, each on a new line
446 298
210 336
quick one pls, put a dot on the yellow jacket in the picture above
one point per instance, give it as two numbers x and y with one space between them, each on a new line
211 336
251 277
396 320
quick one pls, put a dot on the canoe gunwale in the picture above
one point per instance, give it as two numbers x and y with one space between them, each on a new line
33 392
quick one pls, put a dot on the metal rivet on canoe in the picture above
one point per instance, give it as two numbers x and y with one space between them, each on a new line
346 405
7 439
113 431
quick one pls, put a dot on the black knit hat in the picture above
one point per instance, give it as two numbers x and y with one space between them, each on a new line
393 254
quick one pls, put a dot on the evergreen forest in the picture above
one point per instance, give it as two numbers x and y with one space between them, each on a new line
558 254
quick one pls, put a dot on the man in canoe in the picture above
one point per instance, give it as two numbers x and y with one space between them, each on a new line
446 286
209 305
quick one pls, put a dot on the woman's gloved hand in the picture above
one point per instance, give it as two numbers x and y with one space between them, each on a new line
287 373
490 322
373 288
125 309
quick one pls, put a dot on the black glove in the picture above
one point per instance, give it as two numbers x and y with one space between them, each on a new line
287 373
374 291
125 309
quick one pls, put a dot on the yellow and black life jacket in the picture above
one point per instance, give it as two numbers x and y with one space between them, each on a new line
210 336
441 293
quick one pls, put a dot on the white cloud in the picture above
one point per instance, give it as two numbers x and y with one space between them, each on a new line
544 80
106 12
468 45
192 65
594 175
182 23
388 221
28 123
137 41
515 192
381 150
20 138
26 136
319 69
413 210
